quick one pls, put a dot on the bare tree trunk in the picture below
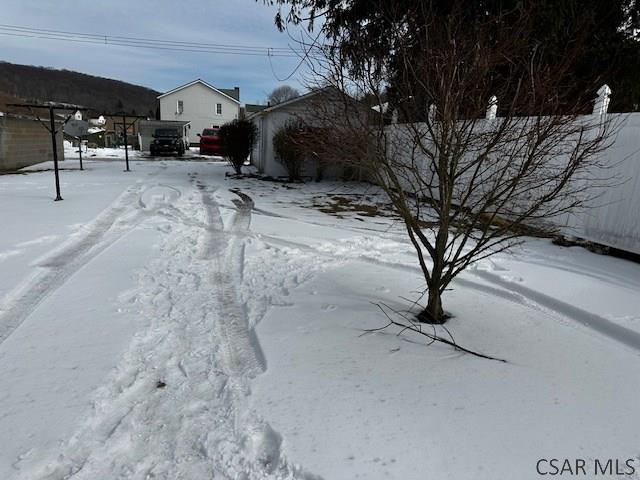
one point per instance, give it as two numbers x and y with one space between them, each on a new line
433 314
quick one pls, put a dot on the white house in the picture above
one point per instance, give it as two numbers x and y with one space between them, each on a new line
200 104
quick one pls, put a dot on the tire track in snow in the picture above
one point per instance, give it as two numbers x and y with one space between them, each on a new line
507 290
612 330
58 266
199 344
241 356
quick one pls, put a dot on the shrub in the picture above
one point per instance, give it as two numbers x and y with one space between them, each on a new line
288 144
238 138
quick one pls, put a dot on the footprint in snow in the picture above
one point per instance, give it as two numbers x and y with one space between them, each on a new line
514 279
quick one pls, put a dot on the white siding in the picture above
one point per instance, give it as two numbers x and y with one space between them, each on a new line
268 124
613 218
199 107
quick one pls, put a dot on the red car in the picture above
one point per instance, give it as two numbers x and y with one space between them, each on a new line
210 143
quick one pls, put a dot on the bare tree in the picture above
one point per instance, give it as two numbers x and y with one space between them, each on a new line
288 145
238 137
466 185
282 94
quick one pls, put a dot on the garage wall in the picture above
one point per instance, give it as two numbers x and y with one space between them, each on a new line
269 122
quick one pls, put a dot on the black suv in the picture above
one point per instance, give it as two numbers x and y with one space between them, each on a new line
167 140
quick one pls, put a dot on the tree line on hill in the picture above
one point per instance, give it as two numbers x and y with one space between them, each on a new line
99 94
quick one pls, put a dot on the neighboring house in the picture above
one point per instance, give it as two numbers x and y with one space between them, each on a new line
201 105
111 135
98 122
76 127
304 108
95 137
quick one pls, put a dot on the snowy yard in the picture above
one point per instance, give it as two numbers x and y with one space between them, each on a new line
172 323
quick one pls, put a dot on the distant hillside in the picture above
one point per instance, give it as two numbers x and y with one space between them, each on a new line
100 94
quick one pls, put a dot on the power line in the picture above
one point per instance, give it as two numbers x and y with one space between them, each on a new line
102 37
123 44
306 51
138 42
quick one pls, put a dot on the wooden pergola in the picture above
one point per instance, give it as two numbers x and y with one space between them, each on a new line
52 107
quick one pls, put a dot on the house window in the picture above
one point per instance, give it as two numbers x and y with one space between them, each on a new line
219 108
180 107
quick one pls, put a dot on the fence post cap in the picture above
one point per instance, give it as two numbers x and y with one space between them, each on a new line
492 108
604 90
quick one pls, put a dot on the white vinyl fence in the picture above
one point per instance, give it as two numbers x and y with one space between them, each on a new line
613 217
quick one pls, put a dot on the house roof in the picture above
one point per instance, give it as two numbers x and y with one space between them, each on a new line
253 108
291 101
231 94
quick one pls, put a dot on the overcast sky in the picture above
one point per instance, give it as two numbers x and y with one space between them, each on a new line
234 22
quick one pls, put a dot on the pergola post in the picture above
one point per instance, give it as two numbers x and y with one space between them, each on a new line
51 128
125 127
54 143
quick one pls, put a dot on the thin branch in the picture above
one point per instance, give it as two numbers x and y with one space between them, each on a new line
432 337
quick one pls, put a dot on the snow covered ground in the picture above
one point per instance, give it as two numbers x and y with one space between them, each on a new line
71 153
171 322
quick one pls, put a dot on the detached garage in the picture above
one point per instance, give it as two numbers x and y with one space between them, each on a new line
268 121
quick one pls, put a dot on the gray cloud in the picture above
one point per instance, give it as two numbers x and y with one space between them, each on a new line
231 22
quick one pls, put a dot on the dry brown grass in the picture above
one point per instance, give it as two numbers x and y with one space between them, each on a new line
343 204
